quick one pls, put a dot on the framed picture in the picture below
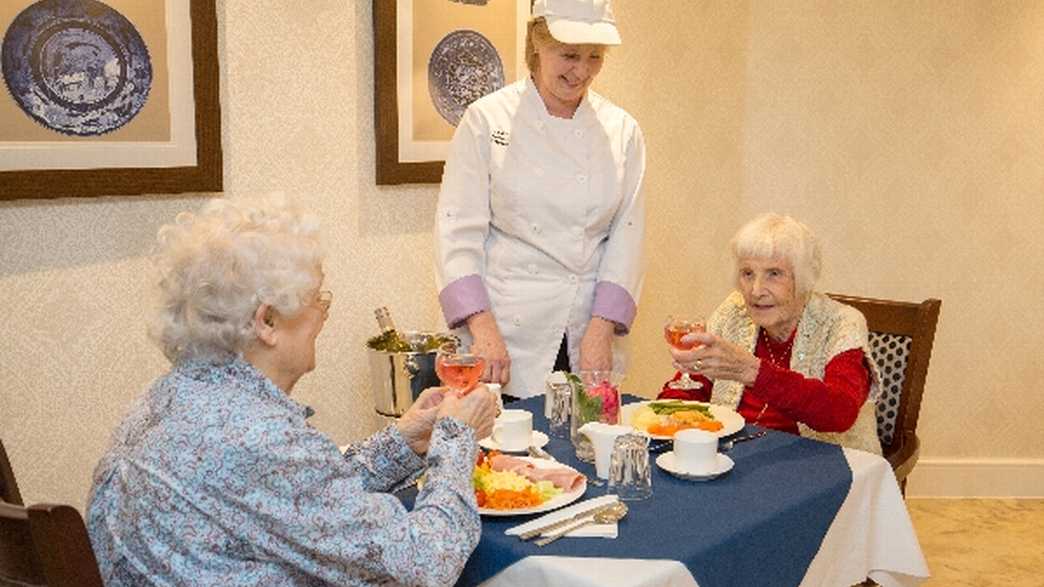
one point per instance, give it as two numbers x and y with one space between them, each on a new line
109 97
433 58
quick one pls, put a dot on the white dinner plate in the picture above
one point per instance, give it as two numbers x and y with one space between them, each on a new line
730 419
666 462
562 499
538 439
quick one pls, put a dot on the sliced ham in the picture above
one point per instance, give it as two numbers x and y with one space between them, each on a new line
509 463
564 478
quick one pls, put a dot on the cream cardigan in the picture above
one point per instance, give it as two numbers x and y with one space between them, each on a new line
826 329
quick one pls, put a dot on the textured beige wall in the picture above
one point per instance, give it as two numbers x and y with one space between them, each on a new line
908 136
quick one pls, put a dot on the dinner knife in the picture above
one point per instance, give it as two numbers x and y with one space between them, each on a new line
564 522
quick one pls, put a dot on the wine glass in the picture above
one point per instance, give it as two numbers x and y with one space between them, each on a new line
457 368
674 329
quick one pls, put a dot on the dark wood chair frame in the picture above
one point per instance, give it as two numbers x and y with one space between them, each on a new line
8 486
42 544
917 321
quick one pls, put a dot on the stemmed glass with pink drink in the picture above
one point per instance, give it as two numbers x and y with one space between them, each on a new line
674 330
457 368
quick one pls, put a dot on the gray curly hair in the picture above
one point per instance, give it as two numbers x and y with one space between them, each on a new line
217 266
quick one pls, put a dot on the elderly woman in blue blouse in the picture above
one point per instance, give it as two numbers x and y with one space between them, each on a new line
216 477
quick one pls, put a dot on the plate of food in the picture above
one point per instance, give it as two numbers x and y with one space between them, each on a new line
514 486
660 419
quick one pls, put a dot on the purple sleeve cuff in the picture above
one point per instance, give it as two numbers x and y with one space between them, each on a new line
462 298
613 303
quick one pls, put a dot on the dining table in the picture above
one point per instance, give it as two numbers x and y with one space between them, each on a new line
792 511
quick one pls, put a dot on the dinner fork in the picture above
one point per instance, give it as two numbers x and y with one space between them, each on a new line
728 444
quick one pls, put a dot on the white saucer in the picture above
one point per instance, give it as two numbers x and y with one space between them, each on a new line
666 462
538 439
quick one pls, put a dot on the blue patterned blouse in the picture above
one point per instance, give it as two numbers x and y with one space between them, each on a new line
216 478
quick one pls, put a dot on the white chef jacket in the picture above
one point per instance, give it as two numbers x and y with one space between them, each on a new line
537 216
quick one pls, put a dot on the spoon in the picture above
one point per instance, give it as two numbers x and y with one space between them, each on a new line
538 453
728 444
609 515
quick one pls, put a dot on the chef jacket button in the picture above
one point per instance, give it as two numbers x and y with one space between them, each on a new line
581 178
532 268
578 133
517 320
572 278
540 126
536 228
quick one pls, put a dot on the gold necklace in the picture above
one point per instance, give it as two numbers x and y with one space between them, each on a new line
777 361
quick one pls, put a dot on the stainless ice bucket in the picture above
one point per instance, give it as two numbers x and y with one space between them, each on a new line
397 378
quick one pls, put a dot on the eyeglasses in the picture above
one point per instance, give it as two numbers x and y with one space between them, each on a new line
324 299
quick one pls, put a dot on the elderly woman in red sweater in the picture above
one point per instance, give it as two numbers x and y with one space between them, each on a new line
782 355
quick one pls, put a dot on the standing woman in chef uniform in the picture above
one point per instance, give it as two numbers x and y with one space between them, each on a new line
541 218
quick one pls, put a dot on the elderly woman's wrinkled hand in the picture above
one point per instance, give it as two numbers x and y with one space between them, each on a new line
416 424
477 409
716 358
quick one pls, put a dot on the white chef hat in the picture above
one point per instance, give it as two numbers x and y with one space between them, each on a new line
579 22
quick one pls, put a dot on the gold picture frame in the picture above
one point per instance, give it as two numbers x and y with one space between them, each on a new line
110 165
412 128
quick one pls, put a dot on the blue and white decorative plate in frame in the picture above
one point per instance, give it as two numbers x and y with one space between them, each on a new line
76 66
463 67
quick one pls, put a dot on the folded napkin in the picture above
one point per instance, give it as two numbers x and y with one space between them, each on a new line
588 531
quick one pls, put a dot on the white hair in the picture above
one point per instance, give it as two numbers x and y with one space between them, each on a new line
216 267
775 236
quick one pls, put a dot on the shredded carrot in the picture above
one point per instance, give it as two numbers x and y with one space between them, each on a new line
670 429
507 499
663 429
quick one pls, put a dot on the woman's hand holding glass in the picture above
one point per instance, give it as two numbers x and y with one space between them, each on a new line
715 358
416 424
678 331
477 409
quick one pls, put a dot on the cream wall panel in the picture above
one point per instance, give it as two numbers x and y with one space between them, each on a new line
907 136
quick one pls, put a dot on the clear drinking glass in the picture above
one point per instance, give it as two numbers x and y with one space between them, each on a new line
595 398
673 330
630 476
558 400
457 368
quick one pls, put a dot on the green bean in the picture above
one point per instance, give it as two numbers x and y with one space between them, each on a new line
670 407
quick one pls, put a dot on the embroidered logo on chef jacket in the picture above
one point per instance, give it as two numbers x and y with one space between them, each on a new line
500 137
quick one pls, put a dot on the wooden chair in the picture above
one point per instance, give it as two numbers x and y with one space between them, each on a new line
43 544
901 338
8 486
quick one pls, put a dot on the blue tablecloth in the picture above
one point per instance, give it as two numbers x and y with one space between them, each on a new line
761 524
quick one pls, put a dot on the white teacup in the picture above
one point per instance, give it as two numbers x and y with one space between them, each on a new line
513 429
696 451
